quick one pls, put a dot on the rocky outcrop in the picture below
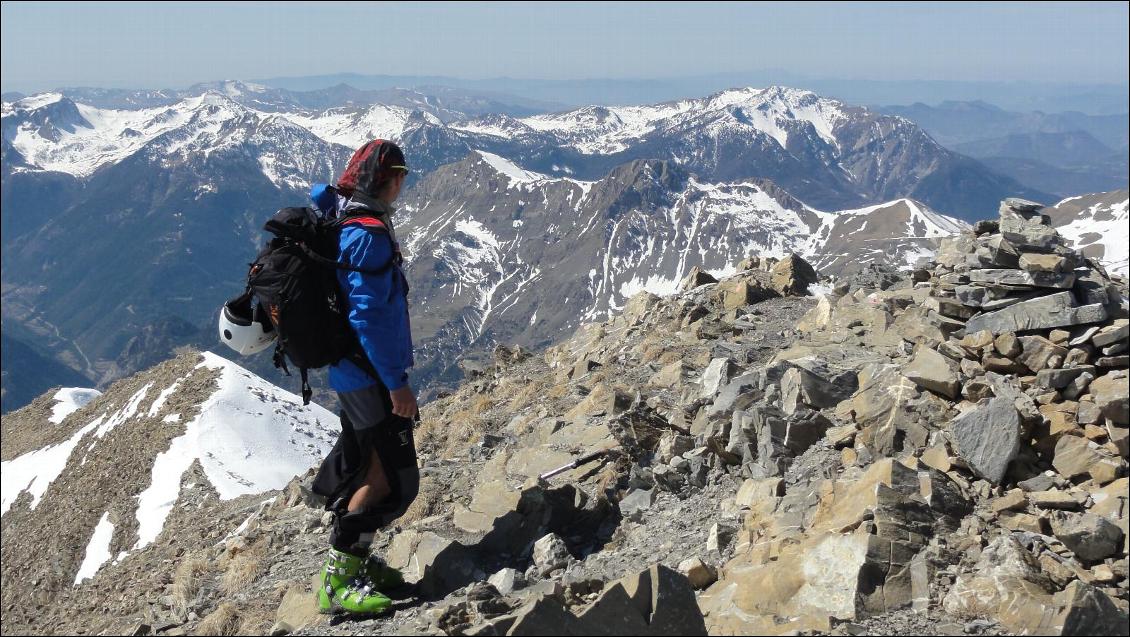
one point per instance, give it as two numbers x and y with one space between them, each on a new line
756 462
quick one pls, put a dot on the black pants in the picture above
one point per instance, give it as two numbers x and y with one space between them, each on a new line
367 425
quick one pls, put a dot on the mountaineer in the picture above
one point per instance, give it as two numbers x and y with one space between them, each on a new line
370 477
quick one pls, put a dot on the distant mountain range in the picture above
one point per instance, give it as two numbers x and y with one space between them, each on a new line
124 228
1065 153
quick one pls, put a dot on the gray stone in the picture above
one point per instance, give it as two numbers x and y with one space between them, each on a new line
978 295
1113 361
635 503
1029 235
997 252
1021 205
1046 312
1109 393
716 375
1022 278
1060 378
1085 336
1093 287
506 581
1074 390
1111 336
988 437
952 308
719 536
1008 301
736 394
1091 537
1042 482
818 388
444 565
986 226
550 553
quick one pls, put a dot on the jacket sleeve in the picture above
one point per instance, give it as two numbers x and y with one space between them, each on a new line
378 310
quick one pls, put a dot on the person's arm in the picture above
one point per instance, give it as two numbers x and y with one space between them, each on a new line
378 310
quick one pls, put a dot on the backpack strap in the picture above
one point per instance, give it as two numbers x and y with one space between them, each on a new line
372 223
365 221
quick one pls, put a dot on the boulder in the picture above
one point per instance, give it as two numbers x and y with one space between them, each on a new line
716 375
1008 585
930 370
1109 393
1092 538
815 386
698 573
1022 278
1074 456
1037 353
695 278
1045 312
988 437
550 553
506 580
297 610
1028 235
1031 262
655 601
792 276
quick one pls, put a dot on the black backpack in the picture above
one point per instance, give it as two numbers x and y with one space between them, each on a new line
294 279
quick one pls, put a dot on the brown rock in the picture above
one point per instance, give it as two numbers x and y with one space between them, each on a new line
1014 500
792 276
1110 394
1074 456
1053 499
1037 352
930 370
1007 344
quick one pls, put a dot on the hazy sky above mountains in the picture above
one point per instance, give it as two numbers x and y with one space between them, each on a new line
172 45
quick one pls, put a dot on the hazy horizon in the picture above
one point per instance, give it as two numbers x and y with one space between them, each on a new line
175 45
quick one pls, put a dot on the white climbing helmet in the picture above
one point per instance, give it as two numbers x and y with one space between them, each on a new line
243 328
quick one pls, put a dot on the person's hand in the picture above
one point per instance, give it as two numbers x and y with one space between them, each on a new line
404 402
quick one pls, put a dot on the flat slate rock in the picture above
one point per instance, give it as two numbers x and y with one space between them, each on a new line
1043 313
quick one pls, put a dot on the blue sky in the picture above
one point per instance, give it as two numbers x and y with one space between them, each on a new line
158 45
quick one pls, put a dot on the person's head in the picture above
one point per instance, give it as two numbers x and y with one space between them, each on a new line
376 170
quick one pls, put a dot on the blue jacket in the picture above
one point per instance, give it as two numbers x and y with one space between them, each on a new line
378 307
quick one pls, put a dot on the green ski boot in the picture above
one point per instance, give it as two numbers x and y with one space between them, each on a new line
383 576
345 588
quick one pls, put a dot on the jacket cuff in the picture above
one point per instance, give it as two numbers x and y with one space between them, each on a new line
394 381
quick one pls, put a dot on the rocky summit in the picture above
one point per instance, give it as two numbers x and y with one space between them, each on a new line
944 453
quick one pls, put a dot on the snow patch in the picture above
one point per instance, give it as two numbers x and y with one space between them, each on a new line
250 436
34 471
69 400
97 549
511 170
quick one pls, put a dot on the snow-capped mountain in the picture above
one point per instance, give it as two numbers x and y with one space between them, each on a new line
828 153
499 253
126 224
1097 224
118 466
55 134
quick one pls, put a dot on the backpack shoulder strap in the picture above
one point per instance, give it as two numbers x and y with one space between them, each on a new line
365 221
372 224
